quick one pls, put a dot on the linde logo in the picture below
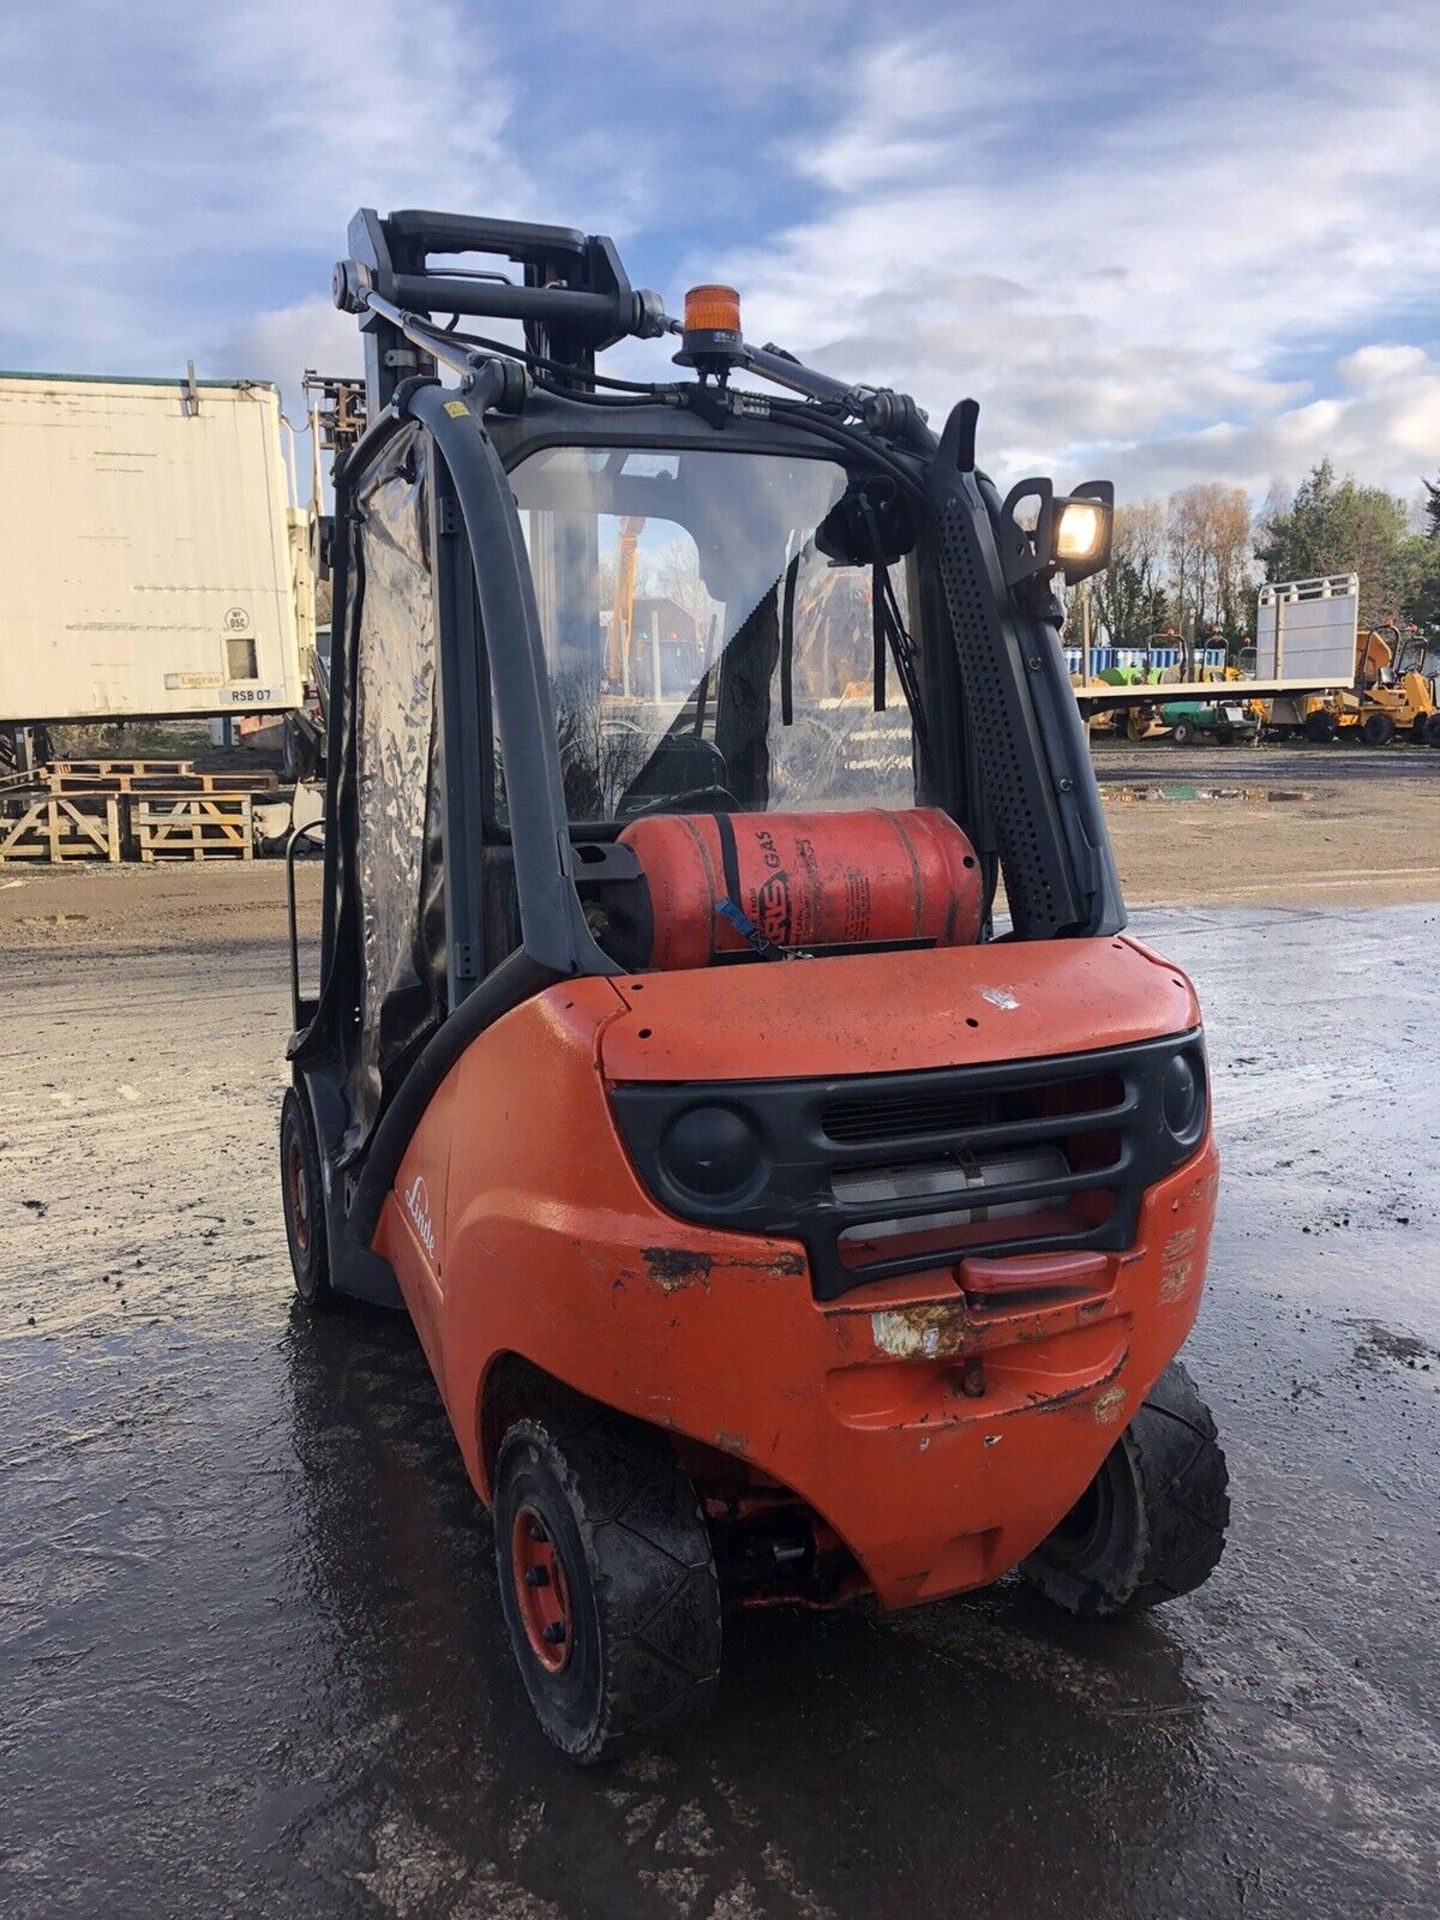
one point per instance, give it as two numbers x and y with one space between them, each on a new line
417 1205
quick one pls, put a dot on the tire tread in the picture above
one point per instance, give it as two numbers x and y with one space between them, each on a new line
1178 1475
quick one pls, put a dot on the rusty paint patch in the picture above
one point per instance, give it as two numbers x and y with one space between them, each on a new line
1175 1280
1070 1396
921 1333
1110 1406
783 1266
1181 1242
672 1268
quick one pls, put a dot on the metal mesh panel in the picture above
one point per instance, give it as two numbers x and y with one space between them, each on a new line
987 675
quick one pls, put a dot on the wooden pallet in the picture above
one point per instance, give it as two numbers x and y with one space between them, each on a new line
119 767
193 826
58 830
160 778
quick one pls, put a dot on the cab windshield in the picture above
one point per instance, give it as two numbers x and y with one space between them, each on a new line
705 645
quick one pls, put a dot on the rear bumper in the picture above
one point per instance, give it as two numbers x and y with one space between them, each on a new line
940 1438
938 1423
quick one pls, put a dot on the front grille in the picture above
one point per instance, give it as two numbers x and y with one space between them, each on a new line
884 1112
876 1116
904 1173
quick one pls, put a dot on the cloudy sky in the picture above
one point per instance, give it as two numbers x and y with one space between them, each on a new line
1157 241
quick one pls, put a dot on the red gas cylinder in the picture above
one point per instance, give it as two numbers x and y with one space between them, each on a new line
807 880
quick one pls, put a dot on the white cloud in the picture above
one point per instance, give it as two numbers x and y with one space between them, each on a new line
1157 291
1385 430
1153 241
172 159
281 344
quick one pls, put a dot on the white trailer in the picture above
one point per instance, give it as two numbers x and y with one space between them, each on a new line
152 562
1305 629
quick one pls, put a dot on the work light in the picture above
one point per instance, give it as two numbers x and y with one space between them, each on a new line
1043 532
1079 529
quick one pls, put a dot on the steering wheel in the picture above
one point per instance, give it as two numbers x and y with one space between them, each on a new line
689 800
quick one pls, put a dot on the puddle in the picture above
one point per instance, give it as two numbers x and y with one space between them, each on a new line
1186 790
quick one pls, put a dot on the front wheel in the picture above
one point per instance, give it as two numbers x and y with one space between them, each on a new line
1319 728
304 1199
1151 1524
1182 733
1377 729
607 1581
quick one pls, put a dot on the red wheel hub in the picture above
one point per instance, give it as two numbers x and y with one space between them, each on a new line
298 1188
542 1593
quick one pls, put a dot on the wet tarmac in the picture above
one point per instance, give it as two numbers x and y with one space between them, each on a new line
252 1654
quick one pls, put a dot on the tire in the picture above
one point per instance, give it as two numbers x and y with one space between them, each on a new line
1151 1524
297 752
1319 728
1182 733
1417 728
1224 734
303 1193
618 1639
1377 729
1432 729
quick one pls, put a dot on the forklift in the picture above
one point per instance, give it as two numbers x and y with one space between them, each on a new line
800 1183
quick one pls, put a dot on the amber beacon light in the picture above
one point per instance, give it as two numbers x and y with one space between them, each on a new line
712 338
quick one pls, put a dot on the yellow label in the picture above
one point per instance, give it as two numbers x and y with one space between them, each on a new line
456 409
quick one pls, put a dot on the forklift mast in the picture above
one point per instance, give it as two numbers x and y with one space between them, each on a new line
572 297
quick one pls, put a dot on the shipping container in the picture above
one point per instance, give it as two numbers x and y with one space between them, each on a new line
152 562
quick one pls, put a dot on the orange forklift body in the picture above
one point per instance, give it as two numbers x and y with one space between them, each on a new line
940 1423
743 1283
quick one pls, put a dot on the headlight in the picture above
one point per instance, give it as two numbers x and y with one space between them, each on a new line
1042 532
1184 1101
713 1152
1079 531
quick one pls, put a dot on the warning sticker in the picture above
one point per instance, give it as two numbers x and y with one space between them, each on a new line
456 409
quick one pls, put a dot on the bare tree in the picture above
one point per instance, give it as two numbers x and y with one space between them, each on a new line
1207 535
1129 595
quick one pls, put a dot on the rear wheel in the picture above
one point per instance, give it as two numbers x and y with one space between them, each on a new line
607 1580
1432 729
1319 728
1377 729
1151 1524
1224 734
304 1199
1182 733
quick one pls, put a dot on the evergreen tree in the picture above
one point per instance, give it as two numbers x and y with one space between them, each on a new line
1344 528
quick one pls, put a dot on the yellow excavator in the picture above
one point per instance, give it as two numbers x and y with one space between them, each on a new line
1392 694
